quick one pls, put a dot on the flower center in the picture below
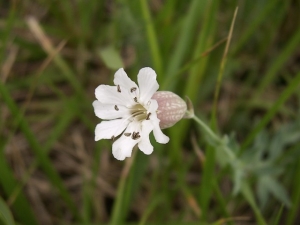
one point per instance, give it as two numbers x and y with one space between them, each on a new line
139 113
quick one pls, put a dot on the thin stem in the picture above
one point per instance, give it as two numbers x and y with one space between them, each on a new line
207 129
117 209
215 137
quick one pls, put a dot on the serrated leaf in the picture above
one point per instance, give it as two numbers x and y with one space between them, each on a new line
5 214
111 58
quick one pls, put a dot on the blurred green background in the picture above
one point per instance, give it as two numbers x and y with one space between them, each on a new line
54 53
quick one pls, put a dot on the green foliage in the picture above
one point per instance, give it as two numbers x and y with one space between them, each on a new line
5 214
54 54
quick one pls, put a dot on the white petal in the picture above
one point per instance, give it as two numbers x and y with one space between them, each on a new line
159 136
145 145
151 106
123 80
147 83
106 112
108 129
109 95
122 147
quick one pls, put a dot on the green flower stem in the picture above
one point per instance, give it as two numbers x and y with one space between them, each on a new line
207 129
219 141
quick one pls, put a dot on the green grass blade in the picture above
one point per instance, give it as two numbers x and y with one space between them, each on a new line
279 61
289 90
38 150
253 26
278 216
128 186
293 212
192 18
152 39
5 214
21 206
248 195
62 123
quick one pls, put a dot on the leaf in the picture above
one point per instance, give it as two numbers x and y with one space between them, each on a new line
238 177
278 191
5 214
111 58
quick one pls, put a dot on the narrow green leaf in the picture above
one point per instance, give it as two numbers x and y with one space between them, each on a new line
152 39
279 62
248 195
38 150
288 91
5 214
277 190
21 206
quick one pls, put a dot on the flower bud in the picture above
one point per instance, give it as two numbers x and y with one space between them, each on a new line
171 108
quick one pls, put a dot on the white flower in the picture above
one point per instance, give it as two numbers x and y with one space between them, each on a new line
130 112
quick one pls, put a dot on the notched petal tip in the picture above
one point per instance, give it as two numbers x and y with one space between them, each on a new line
147 83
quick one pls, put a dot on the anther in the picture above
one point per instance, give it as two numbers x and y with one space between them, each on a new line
133 89
116 108
135 99
135 135
148 116
127 134
119 89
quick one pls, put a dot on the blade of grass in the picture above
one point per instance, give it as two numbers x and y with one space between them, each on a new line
5 214
208 170
293 212
38 150
278 216
248 195
175 62
193 62
58 60
278 63
253 26
152 39
288 91
21 207
221 72
118 214
7 31
62 123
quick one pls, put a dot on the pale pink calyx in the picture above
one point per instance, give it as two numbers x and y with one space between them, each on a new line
171 108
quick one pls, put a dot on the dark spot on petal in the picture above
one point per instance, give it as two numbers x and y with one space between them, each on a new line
135 135
116 108
148 116
135 99
119 89
127 134
133 89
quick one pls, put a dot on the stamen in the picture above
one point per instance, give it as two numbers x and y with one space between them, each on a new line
119 89
127 134
133 89
148 116
135 135
116 108
135 99
113 138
